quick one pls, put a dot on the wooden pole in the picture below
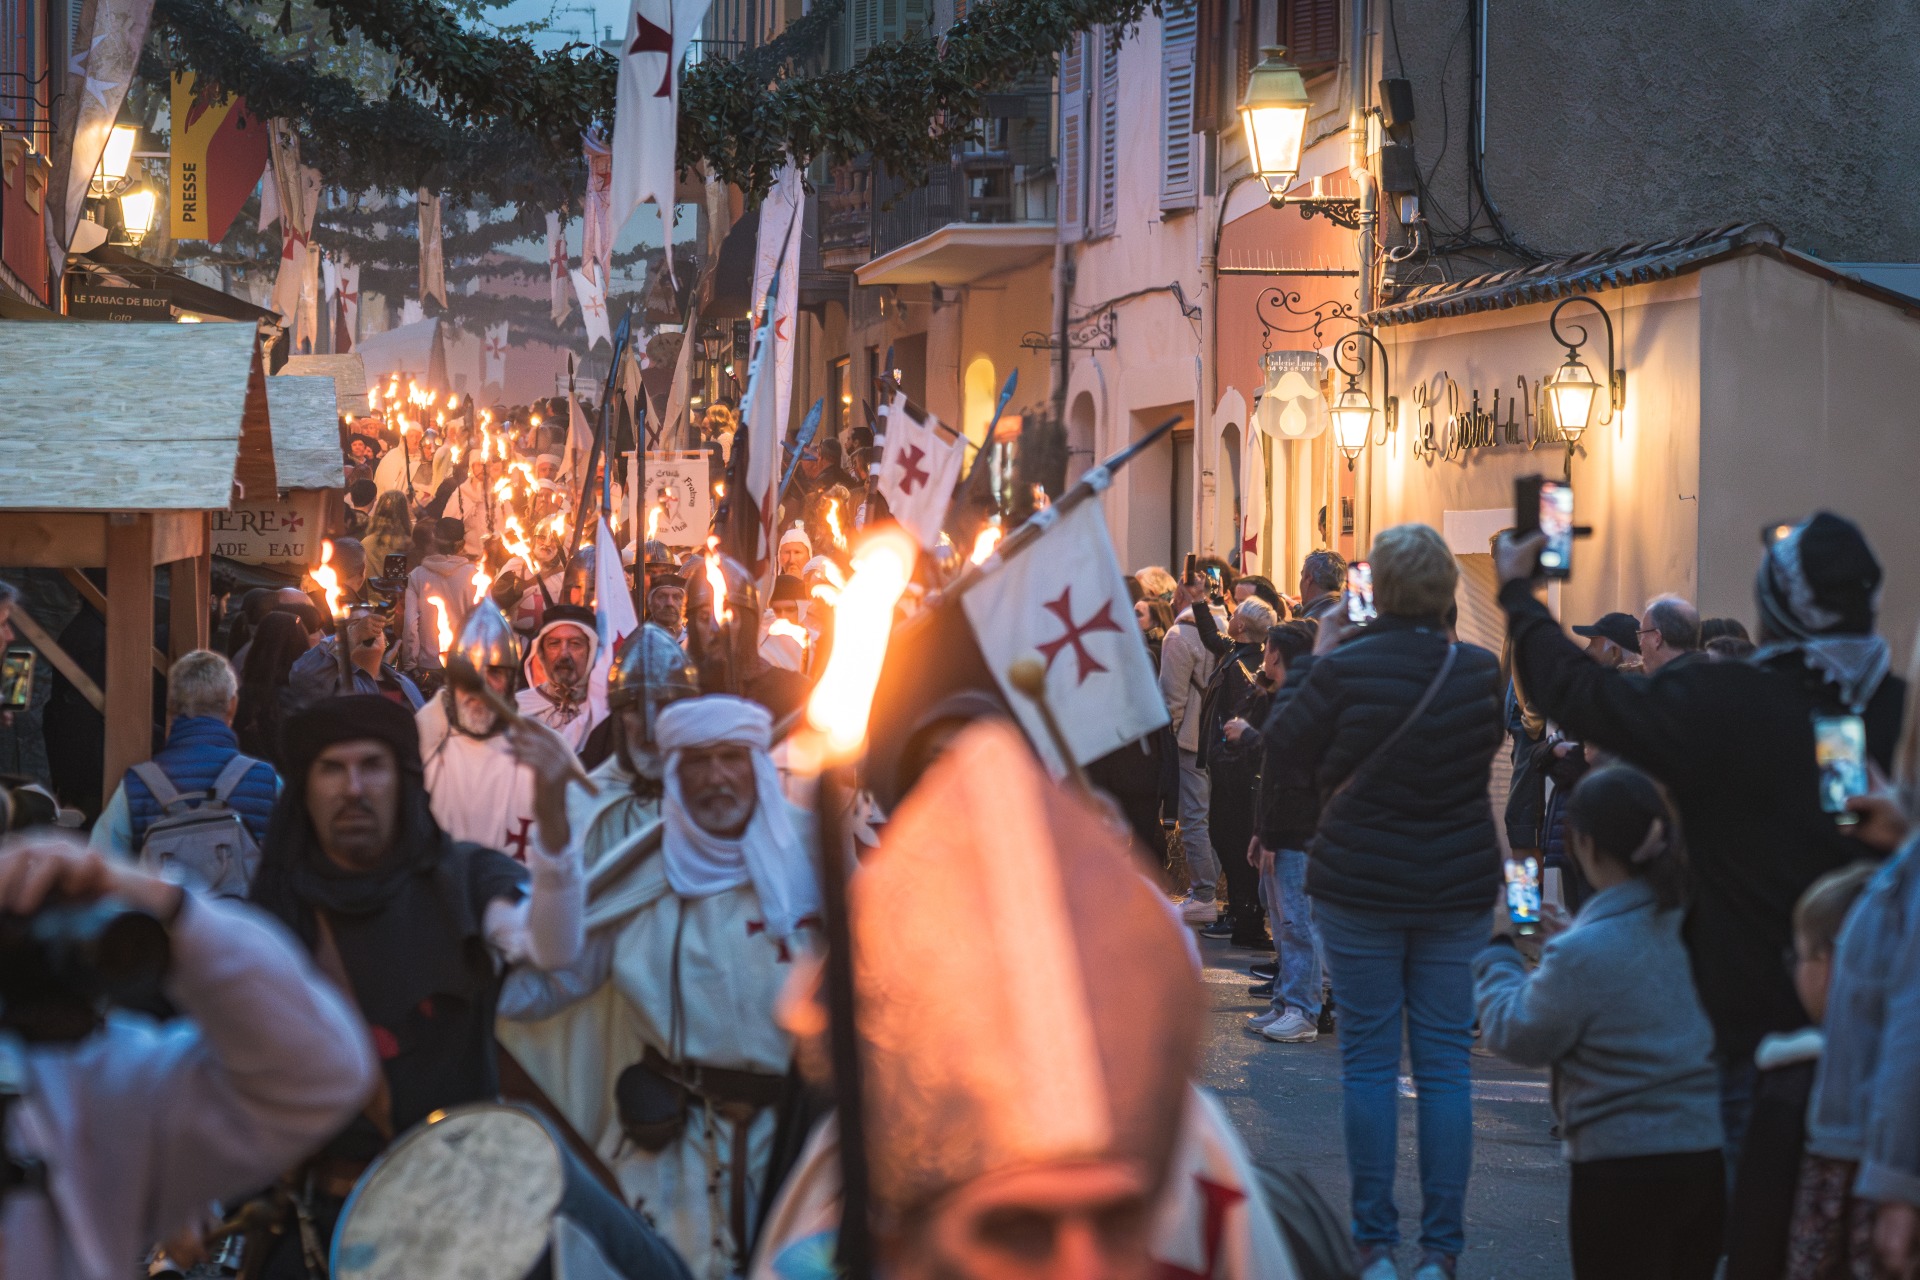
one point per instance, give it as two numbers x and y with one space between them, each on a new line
188 583
129 712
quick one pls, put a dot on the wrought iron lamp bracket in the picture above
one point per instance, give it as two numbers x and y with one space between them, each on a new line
1280 303
1616 377
1342 211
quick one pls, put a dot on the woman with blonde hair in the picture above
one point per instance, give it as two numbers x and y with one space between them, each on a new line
389 529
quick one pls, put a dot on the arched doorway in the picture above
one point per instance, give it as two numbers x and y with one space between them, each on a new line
978 393
1080 436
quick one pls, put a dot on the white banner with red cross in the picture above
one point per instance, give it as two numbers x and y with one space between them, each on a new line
1062 600
919 466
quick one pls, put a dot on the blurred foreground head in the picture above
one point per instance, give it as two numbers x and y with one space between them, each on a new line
1028 1016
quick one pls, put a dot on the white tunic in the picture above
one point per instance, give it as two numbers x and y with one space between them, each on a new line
598 1017
476 789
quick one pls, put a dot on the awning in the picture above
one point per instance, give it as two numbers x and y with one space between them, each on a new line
349 374
962 252
103 416
189 296
306 432
414 351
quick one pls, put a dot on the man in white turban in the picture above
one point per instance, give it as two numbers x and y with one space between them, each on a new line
567 687
661 1045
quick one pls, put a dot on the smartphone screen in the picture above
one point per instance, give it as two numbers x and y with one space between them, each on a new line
1216 588
395 565
1840 748
1523 894
16 679
1360 610
1556 522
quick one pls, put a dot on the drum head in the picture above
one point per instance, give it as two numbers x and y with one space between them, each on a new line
469 1196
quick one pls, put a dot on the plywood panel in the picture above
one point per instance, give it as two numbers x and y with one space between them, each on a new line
129 646
306 433
121 417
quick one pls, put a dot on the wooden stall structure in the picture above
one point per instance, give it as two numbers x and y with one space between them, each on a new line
118 443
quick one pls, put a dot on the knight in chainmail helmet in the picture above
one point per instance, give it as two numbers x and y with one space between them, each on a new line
477 790
649 672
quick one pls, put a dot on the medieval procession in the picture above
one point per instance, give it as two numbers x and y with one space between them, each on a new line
973 640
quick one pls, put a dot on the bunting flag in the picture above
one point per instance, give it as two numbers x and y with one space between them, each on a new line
107 37
306 321
433 265
217 154
346 331
297 191
1062 601
919 466
593 306
494 347
579 439
1253 503
613 609
596 219
681 436
560 294
646 110
778 248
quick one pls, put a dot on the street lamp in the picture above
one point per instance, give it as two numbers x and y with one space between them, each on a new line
1353 411
115 162
136 213
1274 111
1571 389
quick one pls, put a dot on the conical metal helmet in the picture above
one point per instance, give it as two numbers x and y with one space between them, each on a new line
648 664
487 639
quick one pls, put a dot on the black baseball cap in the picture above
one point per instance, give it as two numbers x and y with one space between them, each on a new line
1621 628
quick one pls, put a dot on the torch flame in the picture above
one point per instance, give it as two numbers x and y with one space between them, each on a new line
717 583
327 578
482 583
719 488
653 520
792 630
984 544
445 627
373 397
453 402
862 625
833 525
515 540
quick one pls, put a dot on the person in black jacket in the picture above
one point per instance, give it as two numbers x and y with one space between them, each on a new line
1233 774
1397 729
1734 743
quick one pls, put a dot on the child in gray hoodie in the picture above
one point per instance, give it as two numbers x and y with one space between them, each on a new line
1612 1009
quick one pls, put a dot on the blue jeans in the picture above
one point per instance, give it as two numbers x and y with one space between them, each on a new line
1196 790
1385 967
1283 892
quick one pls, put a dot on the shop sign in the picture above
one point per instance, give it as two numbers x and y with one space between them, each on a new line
1293 404
109 302
264 533
1449 422
676 502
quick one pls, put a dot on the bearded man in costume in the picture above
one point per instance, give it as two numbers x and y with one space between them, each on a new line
1029 1019
567 694
671 1062
479 791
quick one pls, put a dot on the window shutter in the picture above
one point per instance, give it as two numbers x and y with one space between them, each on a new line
1073 138
913 18
1209 70
1179 27
1311 31
1105 194
864 22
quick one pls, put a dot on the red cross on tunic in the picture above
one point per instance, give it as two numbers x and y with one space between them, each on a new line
1219 1198
516 841
912 474
781 953
1085 664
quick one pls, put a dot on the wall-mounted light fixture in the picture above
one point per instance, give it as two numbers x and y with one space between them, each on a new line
116 162
1353 411
137 209
1273 112
1571 389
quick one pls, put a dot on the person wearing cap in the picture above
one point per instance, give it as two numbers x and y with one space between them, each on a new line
795 550
1613 641
667 599
1734 743
566 691
446 576
415 926
479 790
694 922
1029 1019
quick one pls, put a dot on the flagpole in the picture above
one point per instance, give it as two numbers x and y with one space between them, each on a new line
593 455
763 347
1095 481
807 430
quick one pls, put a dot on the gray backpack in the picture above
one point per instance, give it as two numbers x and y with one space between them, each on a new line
200 840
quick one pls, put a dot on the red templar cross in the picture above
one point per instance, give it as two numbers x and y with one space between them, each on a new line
912 475
1084 662
1218 1199
516 841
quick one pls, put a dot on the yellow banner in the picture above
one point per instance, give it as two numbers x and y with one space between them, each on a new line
210 158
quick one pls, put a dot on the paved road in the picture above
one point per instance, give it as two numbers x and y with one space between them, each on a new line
1286 1101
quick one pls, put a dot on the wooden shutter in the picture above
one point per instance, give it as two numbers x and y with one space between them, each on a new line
864 23
1105 192
1209 71
913 18
1178 31
1246 45
1073 138
1311 31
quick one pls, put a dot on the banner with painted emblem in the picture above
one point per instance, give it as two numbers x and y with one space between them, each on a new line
676 503
1061 599
218 152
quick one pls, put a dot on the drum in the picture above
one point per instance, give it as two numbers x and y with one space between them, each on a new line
490 1192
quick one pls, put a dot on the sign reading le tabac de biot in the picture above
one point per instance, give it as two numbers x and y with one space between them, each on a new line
110 302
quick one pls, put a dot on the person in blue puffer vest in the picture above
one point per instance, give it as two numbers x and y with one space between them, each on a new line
201 696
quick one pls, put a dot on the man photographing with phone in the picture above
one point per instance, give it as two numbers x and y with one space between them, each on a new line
119 1130
1734 742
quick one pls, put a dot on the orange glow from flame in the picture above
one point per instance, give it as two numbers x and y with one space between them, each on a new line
445 628
984 544
862 626
717 583
328 578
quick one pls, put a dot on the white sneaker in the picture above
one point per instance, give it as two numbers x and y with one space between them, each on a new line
1290 1028
1193 911
1262 1020
1380 1268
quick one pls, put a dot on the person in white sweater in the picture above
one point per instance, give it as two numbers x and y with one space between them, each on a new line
141 1125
